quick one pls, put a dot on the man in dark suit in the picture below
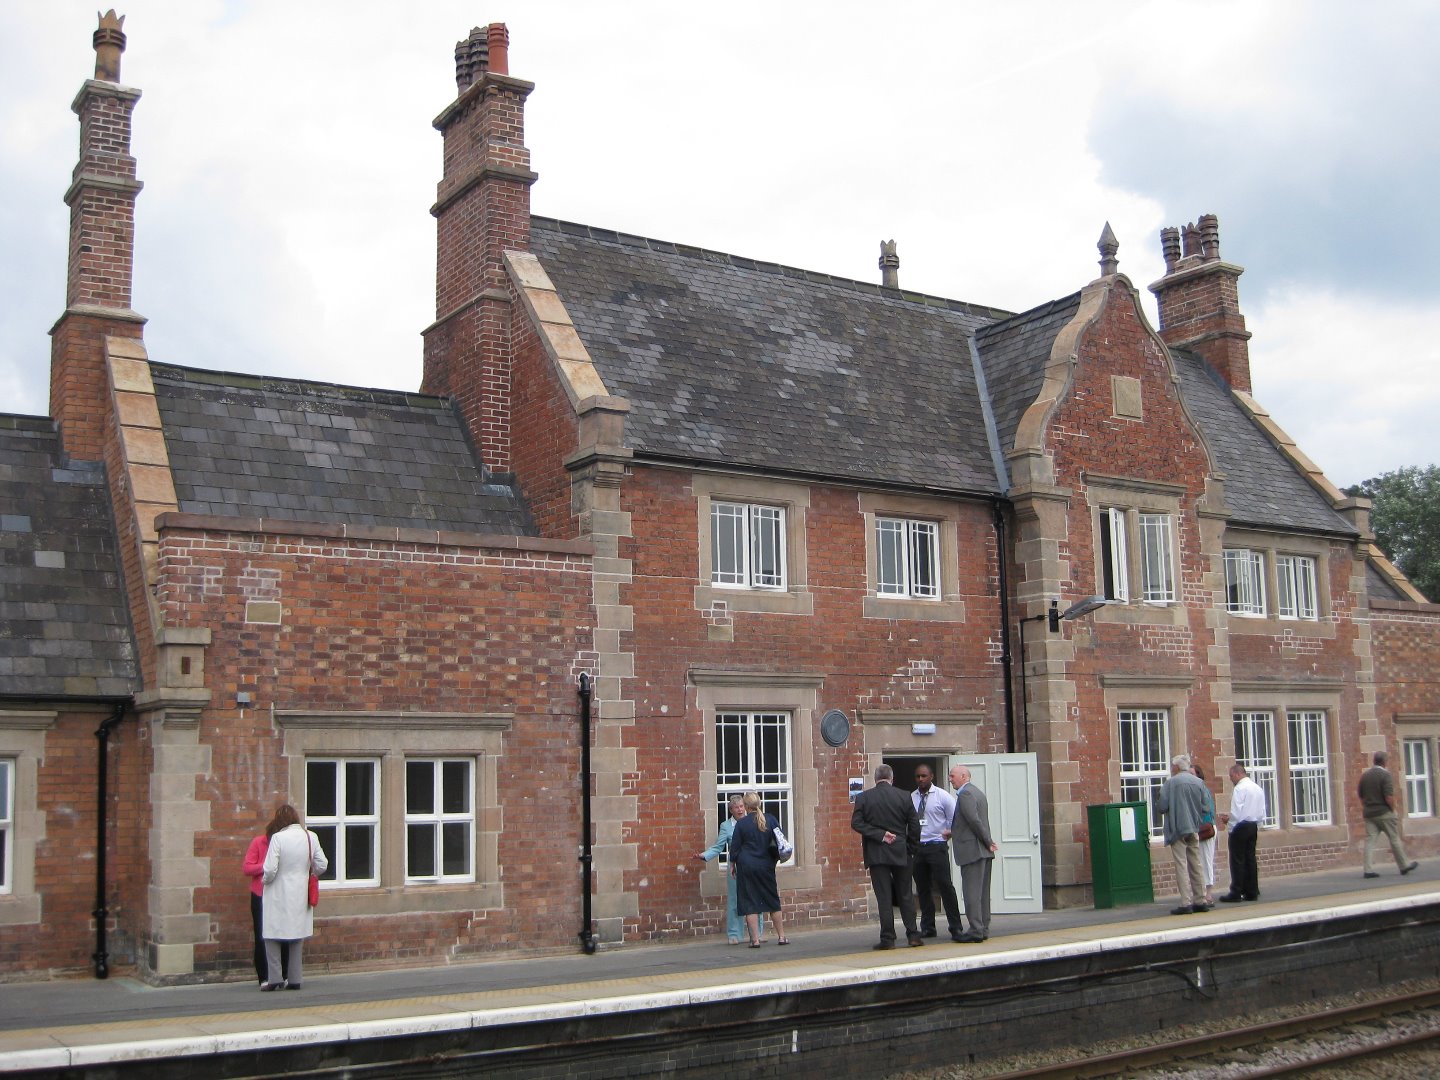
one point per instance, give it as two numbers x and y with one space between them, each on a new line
974 852
886 818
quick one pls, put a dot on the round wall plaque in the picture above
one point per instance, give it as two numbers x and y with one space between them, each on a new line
835 727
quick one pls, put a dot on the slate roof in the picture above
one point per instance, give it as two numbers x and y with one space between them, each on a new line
64 624
1014 353
1379 587
757 365
313 452
1262 487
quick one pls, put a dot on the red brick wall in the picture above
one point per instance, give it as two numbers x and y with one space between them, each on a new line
1089 439
545 434
866 663
1405 639
403 626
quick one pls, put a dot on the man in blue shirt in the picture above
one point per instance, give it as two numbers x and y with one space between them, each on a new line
936 809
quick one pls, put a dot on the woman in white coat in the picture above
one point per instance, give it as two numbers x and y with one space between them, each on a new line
294 854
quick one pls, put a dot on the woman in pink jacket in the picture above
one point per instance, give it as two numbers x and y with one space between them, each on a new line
255 869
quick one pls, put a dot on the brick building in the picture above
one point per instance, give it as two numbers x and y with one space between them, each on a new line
787 526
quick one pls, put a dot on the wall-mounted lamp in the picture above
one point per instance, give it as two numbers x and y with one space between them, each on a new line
242 699
1054 616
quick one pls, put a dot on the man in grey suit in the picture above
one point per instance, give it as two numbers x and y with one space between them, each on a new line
886 818
974 852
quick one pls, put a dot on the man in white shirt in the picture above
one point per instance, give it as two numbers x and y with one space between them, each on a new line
936 808
1247 812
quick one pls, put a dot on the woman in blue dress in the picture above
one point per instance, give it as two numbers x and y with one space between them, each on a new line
734 923
752 862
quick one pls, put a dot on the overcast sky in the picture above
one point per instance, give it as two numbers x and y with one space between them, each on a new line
289 166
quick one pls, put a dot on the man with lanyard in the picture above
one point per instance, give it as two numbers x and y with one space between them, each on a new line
1247 812
936 808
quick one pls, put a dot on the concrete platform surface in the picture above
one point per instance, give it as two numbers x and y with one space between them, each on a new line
77 1021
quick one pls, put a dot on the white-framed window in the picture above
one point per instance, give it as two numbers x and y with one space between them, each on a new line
753 753
747 545
1244 581
439 819
1309 768
7 825
342 808
1255 749
1114 560
1157 559
1144 759
907 558
1419 792
1295 589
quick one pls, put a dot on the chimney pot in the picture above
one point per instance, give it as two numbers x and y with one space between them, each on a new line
1209 237
497 39
109 42
1170 246
889 265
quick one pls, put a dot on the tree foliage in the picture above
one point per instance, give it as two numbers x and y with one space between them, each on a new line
1406 519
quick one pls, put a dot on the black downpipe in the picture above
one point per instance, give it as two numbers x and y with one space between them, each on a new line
101 957
587 935
1006 660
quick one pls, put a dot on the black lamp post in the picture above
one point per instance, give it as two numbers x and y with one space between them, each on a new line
1053 615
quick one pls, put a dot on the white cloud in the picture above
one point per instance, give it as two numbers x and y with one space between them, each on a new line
289 162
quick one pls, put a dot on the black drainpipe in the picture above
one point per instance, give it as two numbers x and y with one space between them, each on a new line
1005 658
587 935
102 910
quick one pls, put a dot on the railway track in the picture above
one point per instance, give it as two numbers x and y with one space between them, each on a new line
1304 1037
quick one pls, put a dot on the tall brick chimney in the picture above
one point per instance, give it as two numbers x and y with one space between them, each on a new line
1199 299
101 198
482 209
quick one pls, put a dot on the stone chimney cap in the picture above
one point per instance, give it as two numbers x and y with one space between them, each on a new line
109 42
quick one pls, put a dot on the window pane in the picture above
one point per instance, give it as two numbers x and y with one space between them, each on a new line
326 835
455 848
1295 587
890 557
727 536
753 754
1309 769
1418 801
1156 566
455 796
767 549
419 787
1114 567
924 579
321 778
359 787
1144 737
420 851
360 853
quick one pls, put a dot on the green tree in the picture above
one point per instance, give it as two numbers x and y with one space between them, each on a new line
1406 519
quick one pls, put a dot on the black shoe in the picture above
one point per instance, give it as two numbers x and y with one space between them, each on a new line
915 940
1372 873
1412 866
884 945
1231 898
267 987
292 986
971 938
929 933
959 938
1183 909
1253 898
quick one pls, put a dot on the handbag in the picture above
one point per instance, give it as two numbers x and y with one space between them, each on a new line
314 895
1207 830
783 848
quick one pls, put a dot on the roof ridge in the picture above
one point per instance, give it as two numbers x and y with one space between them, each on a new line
1038 311
690 251
376 395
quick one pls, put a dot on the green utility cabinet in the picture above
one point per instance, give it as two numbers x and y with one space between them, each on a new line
1120 854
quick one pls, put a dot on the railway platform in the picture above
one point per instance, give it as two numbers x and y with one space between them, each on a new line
825 1002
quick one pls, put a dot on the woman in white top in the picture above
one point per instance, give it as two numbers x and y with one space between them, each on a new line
293 855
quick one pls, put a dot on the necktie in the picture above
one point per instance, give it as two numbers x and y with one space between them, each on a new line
923 796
